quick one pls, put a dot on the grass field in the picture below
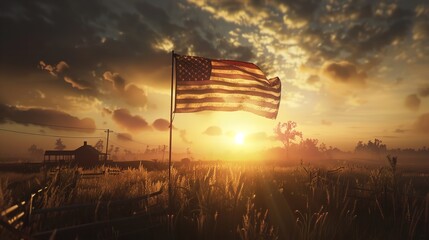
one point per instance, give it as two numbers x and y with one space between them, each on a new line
254 201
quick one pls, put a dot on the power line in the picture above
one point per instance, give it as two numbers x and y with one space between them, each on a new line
46 135
71 127
134 141
133 148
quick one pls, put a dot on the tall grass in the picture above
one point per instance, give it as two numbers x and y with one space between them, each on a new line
237 201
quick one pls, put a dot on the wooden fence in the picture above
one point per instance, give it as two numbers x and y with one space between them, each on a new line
17 220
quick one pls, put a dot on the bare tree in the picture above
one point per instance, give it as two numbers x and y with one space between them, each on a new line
59 144
99 145
286 133
35 152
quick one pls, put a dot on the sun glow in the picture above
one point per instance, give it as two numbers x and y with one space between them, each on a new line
239 138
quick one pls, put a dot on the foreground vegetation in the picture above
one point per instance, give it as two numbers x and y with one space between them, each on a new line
253 201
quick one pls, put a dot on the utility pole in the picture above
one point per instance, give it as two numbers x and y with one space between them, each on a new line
107 145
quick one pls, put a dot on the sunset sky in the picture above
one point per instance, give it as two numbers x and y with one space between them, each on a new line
350 71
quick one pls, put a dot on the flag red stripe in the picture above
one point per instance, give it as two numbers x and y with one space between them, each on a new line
229 100
271 115
276 88
237 69
238 63
224 85
239 76
204 91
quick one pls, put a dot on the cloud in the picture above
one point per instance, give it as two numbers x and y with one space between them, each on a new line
421 125
123 117
75 84
326 122
424 91
213 131
398 130
131 94
312 79
184 136
135 96
344 72
106 111
412 102
161 124
116 79
421 30
124 137
62 71
45 117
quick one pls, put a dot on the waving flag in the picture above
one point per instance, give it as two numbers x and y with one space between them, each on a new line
224 85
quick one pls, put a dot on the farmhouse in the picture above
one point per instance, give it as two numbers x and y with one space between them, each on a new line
85 156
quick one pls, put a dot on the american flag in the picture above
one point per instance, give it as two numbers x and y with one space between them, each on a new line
224 85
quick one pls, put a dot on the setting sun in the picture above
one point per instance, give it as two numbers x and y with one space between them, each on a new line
239 138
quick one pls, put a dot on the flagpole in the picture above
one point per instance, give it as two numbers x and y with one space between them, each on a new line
170 203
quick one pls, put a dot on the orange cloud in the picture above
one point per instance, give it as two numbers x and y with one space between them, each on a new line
62 70
421 125
161 124
424 91
131 94
326 122
344 72
45 117
116 79
124 137
412 102
124 118
312 79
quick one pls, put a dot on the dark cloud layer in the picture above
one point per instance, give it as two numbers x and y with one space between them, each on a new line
45 117
124 118
213 131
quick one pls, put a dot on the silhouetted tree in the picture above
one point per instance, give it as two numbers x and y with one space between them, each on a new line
375 147
286 133
59 144
309 146
35 151
116 152
323 148
99 145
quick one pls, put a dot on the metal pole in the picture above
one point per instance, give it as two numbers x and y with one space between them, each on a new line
107 146
170 206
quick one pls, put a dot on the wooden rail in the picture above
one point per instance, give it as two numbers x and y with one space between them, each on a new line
18 219
85 205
